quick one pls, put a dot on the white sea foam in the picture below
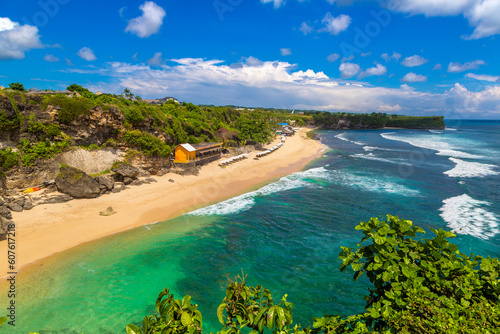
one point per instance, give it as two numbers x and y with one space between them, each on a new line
436 131
302 180
450 129
465 215
471 169
343 137
246 201
430 142
371 156
374 148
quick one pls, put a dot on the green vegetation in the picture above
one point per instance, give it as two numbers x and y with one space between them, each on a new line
41 150
377 120
17 86
8 159
148 144
70 108
104 172
419 286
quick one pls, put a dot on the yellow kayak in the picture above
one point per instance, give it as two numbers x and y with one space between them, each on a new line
31 190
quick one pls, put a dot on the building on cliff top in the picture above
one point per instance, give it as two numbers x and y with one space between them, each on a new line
163 100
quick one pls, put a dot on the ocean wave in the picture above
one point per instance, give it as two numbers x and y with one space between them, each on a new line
247 201
371 156
342 136
430 143
465 215
450 129
471 169
374 148
305 179
436 131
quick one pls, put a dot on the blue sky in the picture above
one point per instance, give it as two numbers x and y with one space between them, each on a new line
426 57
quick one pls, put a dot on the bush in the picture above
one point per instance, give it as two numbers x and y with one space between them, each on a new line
53 130
17 86
8 159
70 108
35 127
41 150
420 286
148 144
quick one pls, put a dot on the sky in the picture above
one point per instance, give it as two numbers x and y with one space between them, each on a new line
413 57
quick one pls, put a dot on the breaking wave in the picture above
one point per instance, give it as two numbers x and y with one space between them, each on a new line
430 143
465 215
471 169
343 137
371 156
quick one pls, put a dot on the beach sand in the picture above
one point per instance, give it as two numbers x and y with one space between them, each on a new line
52 228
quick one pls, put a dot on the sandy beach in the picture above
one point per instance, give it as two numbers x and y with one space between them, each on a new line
52 228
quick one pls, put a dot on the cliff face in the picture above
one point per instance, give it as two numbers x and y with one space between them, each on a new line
30 126
376 121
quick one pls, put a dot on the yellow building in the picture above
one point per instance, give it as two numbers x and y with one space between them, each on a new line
187 153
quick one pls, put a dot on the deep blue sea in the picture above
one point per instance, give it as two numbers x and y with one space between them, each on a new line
285 236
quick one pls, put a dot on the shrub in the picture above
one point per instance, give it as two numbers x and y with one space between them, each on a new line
8 159
41 150
35 127
52 130
148 144
70 108
17 86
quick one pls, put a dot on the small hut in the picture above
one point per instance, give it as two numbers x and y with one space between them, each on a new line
188 153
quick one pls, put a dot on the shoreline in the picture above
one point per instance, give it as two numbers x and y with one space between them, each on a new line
54 228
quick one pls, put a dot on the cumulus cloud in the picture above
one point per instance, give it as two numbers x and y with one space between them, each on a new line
277 3
305 28
395 57
157 59
285 51
414 61
437 67
149 22
87 54
481 14
483 77
458 67
51 58
335 25
333 57
279 84
348 70
412 77
378 70
16 39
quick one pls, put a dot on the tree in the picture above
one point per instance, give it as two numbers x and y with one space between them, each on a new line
17 86
80 90
128 94
419 286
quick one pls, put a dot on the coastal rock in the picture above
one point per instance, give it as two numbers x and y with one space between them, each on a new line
28 204
108 212
76 183
15 207
127 170
150 180
19 201
5 212
137 182
106 181
127 180
4 226
56 198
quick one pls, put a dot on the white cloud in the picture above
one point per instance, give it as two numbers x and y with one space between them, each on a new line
157 59
149 22
277 3
437 67
16 39
285 51
378 70
68 62
87 54
51 58
121 11
481 14
457 67
333 57
395 56
348 70
344 59
365 54
305 28
484 77
412 77
414 61
335 25
278 84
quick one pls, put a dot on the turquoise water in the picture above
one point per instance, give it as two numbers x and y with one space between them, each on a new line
285 236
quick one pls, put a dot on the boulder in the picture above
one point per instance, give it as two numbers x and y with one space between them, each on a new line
4 226
137 182
127 180
106 181
57 198
5 212
28 204
127 170
77 183
108 212
15 207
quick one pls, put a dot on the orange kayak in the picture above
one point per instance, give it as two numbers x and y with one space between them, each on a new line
31 190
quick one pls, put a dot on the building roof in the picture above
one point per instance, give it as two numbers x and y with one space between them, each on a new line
188 147
205 145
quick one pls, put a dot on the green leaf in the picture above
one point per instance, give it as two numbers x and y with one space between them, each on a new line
270 318
133 329
3 320
259 315
186 301
261 325
281 318
220 312
145 324
186 319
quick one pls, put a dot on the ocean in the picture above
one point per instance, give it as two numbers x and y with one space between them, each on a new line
285 236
